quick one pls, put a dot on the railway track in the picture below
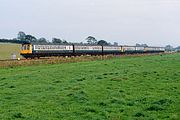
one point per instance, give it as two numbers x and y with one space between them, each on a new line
23 59
8 60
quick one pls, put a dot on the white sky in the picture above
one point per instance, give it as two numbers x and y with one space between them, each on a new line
154 22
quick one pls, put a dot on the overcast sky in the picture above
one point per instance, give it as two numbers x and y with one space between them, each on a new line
154 22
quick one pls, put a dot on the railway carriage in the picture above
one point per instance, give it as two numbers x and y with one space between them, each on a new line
129 49
90 49
139 49
53 48
32 51
154 49
112 49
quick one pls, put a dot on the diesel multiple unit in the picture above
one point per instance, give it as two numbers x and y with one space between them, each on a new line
34 50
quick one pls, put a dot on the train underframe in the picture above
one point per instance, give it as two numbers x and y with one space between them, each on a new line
39 55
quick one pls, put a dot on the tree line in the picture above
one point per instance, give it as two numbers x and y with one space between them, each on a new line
90 40
27 38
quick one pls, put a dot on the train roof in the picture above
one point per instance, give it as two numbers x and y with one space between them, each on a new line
92 45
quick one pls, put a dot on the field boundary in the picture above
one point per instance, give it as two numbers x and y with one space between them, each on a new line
58 60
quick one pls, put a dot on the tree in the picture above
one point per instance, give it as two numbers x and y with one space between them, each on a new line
169 48
109 43
21 36
30 38
102 42
42 40
56 40
138 45
144 45
177 49
141 45
91 40
115 44
64 42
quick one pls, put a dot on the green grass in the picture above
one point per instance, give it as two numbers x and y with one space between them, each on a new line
121 88
7 49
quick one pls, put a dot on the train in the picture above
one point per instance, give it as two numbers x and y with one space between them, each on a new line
29 50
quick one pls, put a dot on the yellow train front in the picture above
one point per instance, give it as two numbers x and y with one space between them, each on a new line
26 50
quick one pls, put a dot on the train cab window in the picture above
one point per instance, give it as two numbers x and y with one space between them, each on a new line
26 47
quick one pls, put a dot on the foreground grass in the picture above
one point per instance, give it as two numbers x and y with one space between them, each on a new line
122 88
7 49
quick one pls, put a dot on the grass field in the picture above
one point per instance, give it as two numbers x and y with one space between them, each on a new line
7 49
118 89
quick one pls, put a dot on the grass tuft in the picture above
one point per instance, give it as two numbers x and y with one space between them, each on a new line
89 109
18 115
155 108
139 114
